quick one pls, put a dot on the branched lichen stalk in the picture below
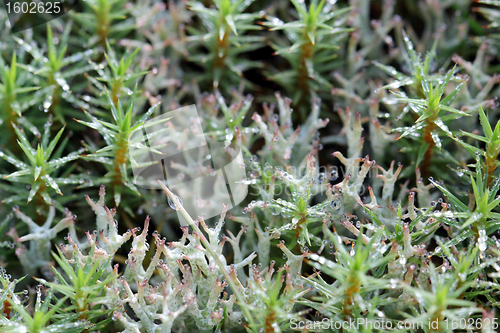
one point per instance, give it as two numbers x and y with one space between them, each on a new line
209 248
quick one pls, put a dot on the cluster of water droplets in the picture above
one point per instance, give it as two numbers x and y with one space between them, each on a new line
8 244
4 275
481 241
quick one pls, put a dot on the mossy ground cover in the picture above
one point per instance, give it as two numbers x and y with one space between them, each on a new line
368 133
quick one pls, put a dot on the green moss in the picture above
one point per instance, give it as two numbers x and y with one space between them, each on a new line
369 136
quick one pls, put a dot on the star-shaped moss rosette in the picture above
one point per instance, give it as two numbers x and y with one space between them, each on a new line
491 138
57 67
39 169
434 113
13 93
314 37
223 35
117 135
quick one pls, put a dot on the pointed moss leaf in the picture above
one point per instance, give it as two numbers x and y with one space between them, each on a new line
49 181
37 171
454 200
33 190
475 136
485 123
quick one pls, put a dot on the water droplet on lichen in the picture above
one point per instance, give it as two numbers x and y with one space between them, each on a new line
172 204
336 204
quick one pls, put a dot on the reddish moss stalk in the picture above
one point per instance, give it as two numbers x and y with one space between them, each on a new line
350 292
222 45
428 153
490 164
437 317
115 92
39 201
306 54
83 314
55 96
103 25
269 321
11 118
120 158
6 308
